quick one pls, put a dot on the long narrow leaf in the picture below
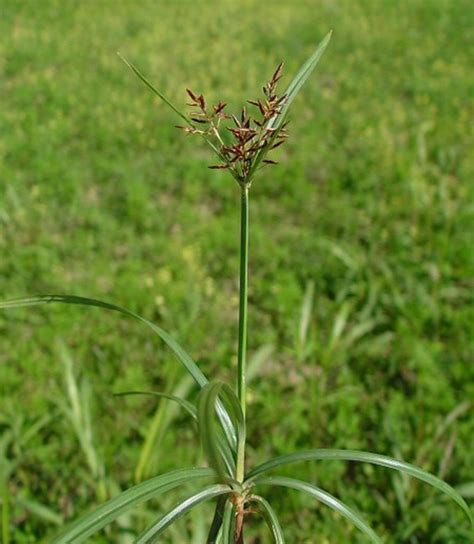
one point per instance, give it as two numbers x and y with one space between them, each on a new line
209 433
155 90
90 523
299 80
185 404
207 428
364 457
325 498
228 525
148 462
291 92
168 102
270 517
217 521
153 532
178 351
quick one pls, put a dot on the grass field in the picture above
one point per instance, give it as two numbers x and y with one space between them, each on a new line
361 261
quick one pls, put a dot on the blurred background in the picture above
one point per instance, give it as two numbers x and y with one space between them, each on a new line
361 255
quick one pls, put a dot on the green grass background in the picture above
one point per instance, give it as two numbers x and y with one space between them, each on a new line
371 207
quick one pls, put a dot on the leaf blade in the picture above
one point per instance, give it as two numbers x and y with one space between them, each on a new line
92 522
300 79
186 405
228 525
291 92
178 351
325 498
166 100
217 521
364 457
206 407
270 517
155 530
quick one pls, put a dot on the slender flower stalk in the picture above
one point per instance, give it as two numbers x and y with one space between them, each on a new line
241 149
241 143
243 301
243 295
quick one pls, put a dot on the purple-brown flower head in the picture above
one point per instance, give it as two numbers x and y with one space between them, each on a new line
242 141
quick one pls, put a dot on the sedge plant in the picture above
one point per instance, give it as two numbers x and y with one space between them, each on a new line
243 144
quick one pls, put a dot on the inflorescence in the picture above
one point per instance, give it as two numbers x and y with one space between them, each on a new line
251 137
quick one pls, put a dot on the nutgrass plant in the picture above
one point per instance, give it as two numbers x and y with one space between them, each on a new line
242 144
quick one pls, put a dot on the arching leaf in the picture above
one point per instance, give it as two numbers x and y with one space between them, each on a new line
270 518
325 498
90 523
185 404
212 537
153 532
364 457
178 351
208 430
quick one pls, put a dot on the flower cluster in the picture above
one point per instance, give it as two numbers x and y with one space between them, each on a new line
243 145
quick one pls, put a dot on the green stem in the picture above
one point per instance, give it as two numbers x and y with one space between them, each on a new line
242 350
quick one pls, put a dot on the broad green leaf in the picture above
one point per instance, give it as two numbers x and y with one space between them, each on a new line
90 523
178 351
217 521
325 498
208 430
270 517
153 532
155 90
364 457
186 405
291 92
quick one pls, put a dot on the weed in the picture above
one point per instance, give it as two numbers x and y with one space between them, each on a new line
236 487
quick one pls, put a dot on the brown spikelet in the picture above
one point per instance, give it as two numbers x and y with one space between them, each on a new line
278 144
277 74
199 120
193 96
219 107
251 136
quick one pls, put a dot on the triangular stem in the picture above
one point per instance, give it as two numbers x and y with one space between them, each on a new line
242 349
